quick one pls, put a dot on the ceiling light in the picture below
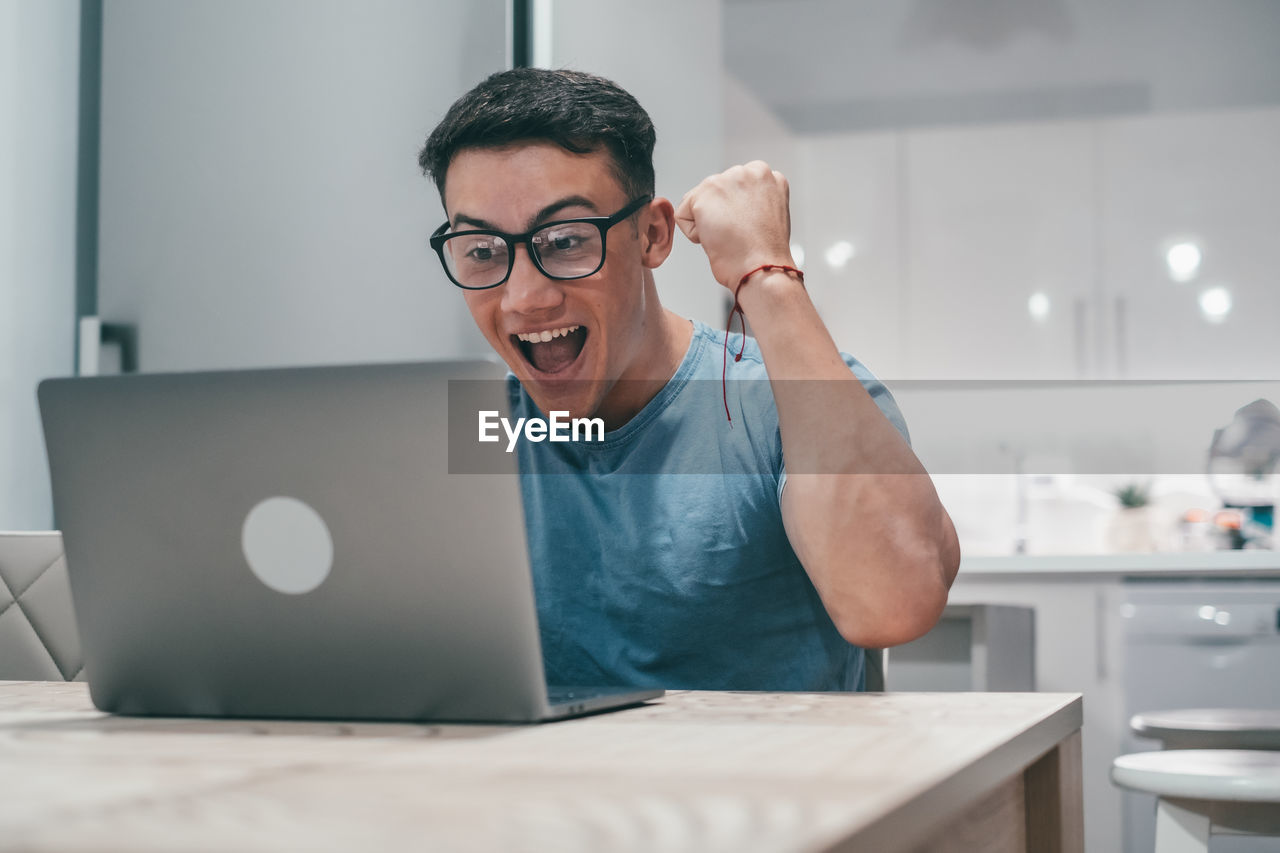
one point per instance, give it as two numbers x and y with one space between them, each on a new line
1038 307
1183 260
839 253
1216 304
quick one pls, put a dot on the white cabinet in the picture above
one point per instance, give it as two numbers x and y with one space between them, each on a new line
846 219
1000 264
1085 212
1212 180
1038 250
1077 650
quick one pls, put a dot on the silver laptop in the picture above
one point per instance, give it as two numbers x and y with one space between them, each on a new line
291 543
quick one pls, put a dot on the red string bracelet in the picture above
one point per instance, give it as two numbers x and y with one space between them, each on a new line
742 322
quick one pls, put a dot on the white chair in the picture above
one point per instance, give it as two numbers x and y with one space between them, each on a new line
876 667
38 637
1202 792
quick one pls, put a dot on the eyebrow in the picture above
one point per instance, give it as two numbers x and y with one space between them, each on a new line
541 216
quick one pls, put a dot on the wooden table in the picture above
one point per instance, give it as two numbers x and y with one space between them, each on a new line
693 771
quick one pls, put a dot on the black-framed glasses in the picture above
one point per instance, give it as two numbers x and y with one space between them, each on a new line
564 250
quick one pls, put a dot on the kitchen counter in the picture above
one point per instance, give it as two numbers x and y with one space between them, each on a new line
1242 564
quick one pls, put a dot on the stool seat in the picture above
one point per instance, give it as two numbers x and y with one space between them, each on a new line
1210 728
1230 775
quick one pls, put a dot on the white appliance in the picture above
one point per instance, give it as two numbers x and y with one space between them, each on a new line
1194 644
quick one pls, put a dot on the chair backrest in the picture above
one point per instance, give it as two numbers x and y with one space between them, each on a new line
877 660
38 637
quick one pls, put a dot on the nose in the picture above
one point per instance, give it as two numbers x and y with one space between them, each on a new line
527 290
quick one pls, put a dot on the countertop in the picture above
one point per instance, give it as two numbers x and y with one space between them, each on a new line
1235 564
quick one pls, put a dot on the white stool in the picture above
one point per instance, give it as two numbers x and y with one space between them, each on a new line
1205 791
1210 728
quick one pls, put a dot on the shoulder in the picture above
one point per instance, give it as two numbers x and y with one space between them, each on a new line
751 366
721 351
879 393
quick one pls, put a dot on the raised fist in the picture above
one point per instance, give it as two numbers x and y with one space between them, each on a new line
741 218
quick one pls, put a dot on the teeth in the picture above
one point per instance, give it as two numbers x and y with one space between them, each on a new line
546 334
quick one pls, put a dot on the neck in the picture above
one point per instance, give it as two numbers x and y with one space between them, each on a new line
666 340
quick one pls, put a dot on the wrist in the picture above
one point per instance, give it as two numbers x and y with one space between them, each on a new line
769 276
764 290
757 268
769 281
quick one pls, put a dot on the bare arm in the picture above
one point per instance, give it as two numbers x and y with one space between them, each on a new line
860 510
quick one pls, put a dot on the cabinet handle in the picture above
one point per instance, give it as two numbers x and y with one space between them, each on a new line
1122 362
1082 362
1100 633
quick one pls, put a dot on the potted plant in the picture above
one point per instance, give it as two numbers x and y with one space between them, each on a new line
1130 529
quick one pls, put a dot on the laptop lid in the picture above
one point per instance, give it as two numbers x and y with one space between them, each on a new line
291 543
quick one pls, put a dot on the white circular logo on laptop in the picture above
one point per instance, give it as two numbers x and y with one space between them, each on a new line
288 545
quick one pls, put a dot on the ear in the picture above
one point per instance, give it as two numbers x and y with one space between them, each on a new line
657 232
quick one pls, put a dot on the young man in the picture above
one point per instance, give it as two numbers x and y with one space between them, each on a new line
681 551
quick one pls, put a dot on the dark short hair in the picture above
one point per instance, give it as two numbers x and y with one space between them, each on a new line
580 112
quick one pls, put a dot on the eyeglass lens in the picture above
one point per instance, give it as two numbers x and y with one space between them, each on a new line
563 250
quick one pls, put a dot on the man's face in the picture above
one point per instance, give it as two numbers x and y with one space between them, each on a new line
598 322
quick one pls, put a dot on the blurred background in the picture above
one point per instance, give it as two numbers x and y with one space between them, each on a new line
1006 209
1049 225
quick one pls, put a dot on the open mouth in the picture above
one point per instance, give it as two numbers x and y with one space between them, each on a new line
552 350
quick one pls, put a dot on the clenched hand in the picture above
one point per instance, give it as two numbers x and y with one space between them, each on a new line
741 218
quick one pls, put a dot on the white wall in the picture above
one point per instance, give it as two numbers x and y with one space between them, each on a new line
261 202
39 64
667 54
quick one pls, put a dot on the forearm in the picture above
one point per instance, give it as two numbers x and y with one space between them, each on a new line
860 510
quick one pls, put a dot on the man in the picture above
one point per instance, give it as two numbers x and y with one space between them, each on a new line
682 551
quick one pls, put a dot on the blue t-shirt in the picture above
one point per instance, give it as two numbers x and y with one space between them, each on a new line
659 556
